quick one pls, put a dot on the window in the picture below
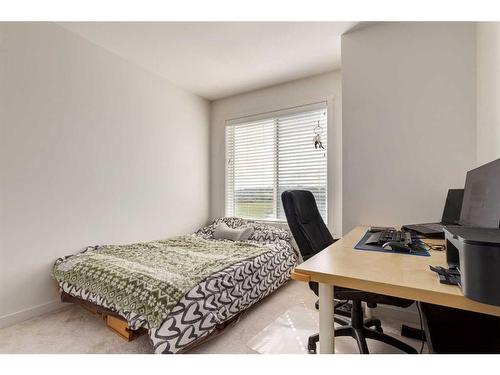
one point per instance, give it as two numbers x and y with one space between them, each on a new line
267 156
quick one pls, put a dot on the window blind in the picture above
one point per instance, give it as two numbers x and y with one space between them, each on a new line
267 156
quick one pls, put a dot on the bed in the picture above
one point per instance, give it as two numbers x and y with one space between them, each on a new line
181 290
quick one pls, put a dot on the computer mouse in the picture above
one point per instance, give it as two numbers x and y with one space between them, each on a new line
397 247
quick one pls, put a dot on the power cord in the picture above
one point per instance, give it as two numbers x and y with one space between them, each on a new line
421 328
434 247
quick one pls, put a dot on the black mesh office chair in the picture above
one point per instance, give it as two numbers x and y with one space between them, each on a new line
312 236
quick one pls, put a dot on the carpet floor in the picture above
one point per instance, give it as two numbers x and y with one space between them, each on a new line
74 330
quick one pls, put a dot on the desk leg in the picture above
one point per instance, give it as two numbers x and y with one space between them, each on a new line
326 321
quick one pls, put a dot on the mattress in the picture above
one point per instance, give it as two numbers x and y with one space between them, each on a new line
217 294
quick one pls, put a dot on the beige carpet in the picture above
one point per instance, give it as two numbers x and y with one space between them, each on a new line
74 330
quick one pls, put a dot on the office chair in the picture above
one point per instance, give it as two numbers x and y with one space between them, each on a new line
455 331
312 236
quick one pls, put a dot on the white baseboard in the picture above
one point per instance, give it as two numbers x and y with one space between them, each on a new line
32 312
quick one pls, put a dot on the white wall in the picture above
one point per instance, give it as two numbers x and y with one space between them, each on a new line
309 90
409 113
93 150
488 91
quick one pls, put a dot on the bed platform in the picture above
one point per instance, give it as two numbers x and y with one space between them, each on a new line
114 321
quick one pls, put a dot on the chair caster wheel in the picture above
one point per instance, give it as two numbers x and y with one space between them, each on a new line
379 329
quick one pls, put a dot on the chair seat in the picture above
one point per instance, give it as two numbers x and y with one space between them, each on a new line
370 298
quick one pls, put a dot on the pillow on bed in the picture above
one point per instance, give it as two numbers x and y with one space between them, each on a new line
223 232
269 233
231 222
261 233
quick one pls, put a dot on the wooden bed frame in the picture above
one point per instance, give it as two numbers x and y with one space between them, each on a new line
118 325
115 322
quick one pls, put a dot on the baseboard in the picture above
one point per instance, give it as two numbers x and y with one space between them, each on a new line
32 312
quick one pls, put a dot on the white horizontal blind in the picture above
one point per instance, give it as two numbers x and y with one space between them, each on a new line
271 155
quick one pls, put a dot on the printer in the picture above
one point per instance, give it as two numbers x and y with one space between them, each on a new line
473 248
475 253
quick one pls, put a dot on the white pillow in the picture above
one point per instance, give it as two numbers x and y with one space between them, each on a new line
223 232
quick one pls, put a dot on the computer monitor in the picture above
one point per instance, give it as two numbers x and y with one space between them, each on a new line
453 206
481 204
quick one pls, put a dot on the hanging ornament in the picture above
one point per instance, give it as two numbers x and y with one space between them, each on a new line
317 138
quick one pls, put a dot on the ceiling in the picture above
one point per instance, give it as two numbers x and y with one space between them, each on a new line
219 59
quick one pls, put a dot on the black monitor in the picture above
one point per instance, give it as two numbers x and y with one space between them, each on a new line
481 204
453 206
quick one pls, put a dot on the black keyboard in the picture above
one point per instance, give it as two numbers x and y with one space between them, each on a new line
382 237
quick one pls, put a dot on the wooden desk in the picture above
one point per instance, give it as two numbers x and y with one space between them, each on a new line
398 275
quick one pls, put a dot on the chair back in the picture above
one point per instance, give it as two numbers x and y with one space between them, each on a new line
305 222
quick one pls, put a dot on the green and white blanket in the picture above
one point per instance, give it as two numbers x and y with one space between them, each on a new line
149 278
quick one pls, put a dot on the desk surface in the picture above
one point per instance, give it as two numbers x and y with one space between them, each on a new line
399 275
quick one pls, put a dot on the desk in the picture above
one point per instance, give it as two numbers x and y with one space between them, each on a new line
398 275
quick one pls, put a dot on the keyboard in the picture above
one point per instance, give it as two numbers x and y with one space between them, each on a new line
384 236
